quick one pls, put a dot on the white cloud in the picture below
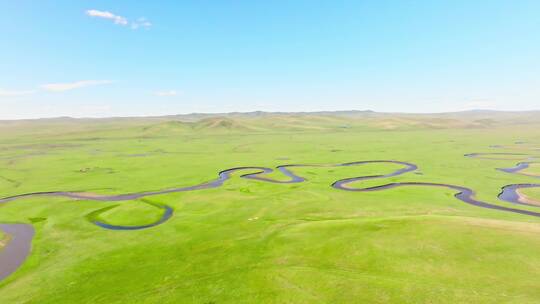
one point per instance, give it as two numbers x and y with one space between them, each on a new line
11 93
139 23
60 87
166 93
107 15
480 104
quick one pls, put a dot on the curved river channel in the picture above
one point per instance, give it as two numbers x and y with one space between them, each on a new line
19 245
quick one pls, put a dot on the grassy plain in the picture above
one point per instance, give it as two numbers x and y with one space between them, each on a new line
534 169
256 242
532 194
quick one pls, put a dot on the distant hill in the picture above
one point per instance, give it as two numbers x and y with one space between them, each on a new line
254 122
193 117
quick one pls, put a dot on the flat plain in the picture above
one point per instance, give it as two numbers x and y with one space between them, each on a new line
252 241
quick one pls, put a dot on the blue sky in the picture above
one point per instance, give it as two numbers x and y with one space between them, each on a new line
126 58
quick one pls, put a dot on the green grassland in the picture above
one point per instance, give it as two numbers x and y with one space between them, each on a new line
255 242
533 169
533 193
129 213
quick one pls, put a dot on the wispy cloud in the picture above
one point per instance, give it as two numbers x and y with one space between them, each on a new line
480 104
61 87
166 93
12 93
107 15
117 19
141 23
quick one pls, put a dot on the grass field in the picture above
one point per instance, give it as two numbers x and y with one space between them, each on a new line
534 169
533 193
255 242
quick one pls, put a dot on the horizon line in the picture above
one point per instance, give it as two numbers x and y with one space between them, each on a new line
261 112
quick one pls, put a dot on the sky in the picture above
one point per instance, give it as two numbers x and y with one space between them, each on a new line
140 58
